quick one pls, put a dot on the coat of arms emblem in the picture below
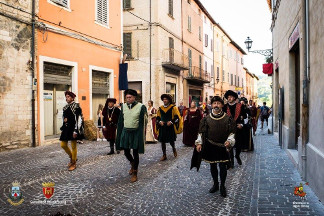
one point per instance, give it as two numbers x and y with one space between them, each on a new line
48 189
15 196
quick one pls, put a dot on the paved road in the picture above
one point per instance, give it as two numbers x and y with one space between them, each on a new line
263 185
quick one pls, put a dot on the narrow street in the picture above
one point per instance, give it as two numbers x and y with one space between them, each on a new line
263 185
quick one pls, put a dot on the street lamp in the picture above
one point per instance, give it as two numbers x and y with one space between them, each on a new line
248 43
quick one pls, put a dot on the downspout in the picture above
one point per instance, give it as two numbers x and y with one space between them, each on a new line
305 106
33 75
150 49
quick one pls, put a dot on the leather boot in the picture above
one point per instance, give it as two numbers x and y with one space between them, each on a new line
70 163
132 168
163 158
175 152
73 165
134 176
223 191
239 161
111 151
214 188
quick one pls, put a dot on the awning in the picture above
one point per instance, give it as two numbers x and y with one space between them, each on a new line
268 69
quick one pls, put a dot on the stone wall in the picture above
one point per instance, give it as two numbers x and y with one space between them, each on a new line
15 76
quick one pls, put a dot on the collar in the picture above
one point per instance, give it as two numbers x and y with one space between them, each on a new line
165 106
217 116
232 104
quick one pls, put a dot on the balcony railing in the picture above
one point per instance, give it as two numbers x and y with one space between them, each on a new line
175 60
197 74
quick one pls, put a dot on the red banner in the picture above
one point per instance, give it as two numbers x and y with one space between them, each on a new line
268 68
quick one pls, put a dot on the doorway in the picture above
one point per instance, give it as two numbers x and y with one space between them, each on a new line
296 58
100 91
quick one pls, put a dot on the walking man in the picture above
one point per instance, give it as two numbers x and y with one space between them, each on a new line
110 119
72 128
215 139
264 114
236 111
131 130
169 124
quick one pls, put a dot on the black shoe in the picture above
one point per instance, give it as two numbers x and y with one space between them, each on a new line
238 160
118 151
214 188
223 191
111 152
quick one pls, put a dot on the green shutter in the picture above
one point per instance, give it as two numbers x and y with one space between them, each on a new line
128 44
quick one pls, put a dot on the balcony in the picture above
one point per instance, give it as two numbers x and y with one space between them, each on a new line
197 75
174 60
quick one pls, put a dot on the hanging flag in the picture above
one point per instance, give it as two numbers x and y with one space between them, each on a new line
123 80
268 68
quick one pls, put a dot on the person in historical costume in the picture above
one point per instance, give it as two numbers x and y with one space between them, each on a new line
110 115
72 128
247 144
216 138
151 136
191 121
234 110
168 124
181 108
131 130
254 111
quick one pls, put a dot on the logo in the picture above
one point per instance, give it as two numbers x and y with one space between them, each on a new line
15 196
48 189
299 191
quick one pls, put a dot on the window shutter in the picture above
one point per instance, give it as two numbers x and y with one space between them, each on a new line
189 23
171 7
190 60
127 4
199 32
211 44
171 43
128 44
206 40
63 3
218 72
102 12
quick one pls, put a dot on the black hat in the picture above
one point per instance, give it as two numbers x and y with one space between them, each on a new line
167 96
71 94
232 93
216 98
130 92
111 100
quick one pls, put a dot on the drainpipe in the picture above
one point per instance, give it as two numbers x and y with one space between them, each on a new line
150 49
305 106
33 75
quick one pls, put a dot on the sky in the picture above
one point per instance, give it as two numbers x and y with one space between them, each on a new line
243 18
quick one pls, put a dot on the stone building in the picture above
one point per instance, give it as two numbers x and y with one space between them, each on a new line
298 40
15 74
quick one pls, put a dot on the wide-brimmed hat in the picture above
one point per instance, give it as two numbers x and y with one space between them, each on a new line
130 92
217 98
167 96
71 94
232 93
111 100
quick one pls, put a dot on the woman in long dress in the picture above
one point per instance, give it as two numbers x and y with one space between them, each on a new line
151 136
191 120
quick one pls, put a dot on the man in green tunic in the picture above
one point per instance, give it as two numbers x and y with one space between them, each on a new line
131 130
169 124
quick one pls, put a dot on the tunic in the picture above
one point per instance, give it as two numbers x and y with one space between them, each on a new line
191 126
214 132
166 133
110 121
247 144
151 136
73 113
131 127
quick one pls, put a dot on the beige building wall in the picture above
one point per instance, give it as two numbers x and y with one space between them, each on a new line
15 77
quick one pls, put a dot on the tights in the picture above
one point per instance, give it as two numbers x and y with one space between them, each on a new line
132 158
222 172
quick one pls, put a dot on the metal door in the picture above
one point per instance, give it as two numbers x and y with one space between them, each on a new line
48 112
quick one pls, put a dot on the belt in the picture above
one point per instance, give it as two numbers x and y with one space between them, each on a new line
216 144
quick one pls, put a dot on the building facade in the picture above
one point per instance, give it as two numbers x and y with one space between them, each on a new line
298 84
79 49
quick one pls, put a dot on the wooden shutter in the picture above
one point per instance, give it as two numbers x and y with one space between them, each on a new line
128 44
171 43
102 12
63 3
171 7
57 74
190 60
100 82
206 40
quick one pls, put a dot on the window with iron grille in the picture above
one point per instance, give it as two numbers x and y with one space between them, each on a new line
127 4
63 3
102 12
171 8
127 44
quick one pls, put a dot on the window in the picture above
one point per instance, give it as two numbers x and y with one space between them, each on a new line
200 64
171 89
211 45
212 71
235 80
217 73
190 60
171 8
171 51
63 3
127 44
189 23
231 79
206 40
206 66
200 33
242 61
127 4
238 81
242 83
102 12
223 76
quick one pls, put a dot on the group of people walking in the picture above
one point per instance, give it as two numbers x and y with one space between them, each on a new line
216 130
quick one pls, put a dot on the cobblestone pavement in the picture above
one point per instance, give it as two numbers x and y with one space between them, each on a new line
263 185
